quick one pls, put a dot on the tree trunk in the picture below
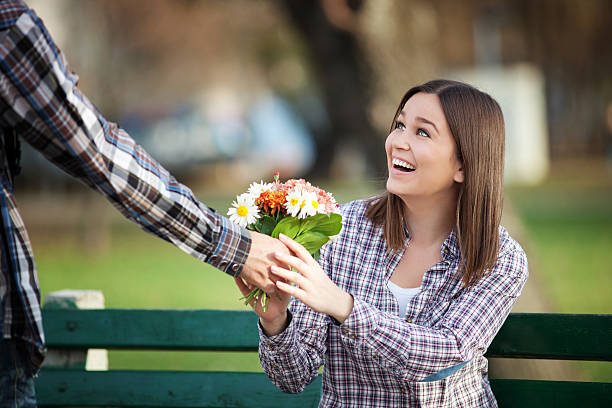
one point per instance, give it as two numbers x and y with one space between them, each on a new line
343 73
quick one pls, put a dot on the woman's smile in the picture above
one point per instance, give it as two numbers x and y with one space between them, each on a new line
402 166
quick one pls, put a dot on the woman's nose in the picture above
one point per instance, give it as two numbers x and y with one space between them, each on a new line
400 142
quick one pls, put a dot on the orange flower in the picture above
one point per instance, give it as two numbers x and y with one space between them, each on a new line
272 201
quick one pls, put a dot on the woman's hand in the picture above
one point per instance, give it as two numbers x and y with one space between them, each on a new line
274 319
314 288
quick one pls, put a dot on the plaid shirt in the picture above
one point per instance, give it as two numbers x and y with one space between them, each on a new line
39 99
431 358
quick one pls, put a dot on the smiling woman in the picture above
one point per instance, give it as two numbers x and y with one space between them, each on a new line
402 307
462 149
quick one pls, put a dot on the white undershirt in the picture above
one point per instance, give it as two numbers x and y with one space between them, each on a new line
403 296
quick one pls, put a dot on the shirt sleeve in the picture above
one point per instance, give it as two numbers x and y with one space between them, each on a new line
40 99
413 352
292 358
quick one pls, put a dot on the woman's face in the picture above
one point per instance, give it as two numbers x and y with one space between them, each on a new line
421 152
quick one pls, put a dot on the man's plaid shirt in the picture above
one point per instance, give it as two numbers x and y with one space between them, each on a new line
432 357
40 100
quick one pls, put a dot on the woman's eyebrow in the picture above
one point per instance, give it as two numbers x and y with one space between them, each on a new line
421 119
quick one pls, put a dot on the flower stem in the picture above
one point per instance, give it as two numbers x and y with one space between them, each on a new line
257 294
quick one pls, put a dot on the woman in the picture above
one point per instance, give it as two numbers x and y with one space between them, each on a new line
405 303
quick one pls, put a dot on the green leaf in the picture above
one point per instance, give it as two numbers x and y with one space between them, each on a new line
312 241
312 221
266 225
290 226
325 224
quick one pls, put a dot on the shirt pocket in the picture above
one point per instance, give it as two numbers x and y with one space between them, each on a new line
465 388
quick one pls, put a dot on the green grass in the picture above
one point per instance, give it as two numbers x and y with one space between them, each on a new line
569 244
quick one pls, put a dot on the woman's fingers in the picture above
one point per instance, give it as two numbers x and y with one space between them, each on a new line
288 276
291 261
294 291
298 249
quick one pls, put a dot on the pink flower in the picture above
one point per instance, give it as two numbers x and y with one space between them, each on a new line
325 199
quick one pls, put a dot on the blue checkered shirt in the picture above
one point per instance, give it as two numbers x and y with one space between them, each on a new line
40 101
431 358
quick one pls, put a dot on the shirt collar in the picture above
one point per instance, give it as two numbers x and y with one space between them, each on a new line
450 247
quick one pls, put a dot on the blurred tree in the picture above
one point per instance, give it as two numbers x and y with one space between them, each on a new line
569 40
328 29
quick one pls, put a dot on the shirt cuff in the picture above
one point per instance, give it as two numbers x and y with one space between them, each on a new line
278 343
232 250
360 323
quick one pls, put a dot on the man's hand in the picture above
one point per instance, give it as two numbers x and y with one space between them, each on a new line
256 270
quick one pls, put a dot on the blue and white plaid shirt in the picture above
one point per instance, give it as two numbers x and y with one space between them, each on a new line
431 358
39 99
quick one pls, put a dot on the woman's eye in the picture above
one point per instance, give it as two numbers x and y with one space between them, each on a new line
400 125
422 132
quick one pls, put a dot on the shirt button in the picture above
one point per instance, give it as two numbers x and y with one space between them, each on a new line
344 331
352 336
213 258
403 389
235 267
222 264
446 251
409 320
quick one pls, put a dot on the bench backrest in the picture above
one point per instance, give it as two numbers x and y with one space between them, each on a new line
524 335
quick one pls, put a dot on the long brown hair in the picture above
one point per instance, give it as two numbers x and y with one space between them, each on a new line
477 126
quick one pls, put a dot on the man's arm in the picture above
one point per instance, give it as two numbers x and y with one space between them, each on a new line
40 99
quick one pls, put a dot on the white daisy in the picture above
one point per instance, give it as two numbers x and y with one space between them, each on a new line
310 205
243 212
294 202
255 189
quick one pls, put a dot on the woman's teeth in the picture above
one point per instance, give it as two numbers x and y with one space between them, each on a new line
402 165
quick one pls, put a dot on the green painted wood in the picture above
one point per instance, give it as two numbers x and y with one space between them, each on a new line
524 335
554 336
152 329
558 394
579 337
167 389
214 389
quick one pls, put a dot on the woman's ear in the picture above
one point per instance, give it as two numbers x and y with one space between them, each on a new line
459 175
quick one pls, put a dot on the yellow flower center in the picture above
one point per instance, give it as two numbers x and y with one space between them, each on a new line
315 205
303 204
242 211
294 201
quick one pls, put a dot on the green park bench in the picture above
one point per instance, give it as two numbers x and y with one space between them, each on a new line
524 335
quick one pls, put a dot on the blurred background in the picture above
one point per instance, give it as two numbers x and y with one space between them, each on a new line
224 93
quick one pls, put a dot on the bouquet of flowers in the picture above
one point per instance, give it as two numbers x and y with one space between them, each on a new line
295 208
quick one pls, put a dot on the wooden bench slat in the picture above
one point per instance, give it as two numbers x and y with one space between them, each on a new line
179 389
152 329
523 335
216 389
554 336
558 394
